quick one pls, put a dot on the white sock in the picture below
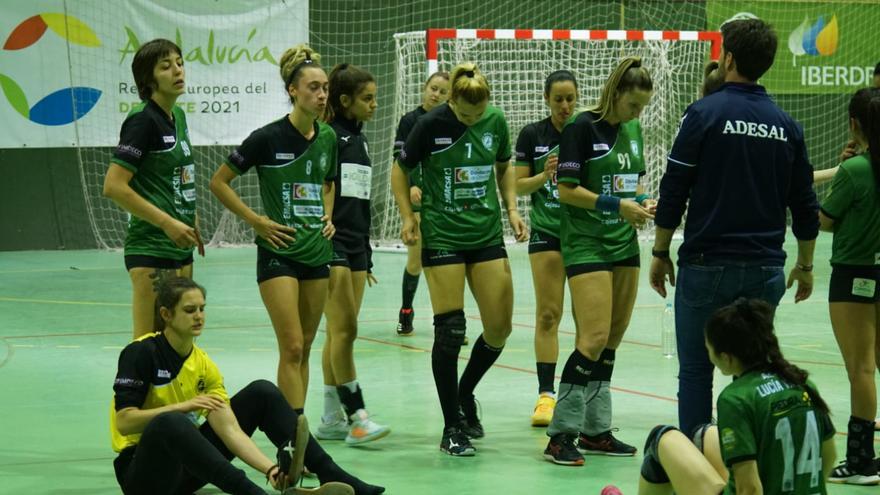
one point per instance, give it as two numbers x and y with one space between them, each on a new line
332 404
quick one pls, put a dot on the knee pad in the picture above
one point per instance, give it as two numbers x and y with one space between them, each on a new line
652 471
449 331
699 433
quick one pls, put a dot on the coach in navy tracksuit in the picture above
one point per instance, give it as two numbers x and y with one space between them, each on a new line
740 161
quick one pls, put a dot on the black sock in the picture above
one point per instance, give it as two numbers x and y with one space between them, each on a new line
449 330
604 367
546 376
578 369
410 284
483 356
320 463
860 442
351 401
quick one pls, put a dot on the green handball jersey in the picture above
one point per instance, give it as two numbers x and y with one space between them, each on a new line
604 159
460 206
766 419
158 152
292 172
854 204
536 143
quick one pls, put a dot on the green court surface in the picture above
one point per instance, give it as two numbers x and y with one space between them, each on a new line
64 317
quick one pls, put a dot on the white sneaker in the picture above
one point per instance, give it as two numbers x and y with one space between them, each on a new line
363 429
336 429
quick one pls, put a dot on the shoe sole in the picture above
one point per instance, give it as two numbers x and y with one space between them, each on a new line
467 453
332 488
857 479
563 463
606 453
297 461
369 438
331 436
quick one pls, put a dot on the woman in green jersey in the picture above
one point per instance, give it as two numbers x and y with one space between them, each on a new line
295 158
601 162
435 92
352 101
774 435
152 177
537 149
463 147
852 212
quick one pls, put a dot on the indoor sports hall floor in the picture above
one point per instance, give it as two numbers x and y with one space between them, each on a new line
64 316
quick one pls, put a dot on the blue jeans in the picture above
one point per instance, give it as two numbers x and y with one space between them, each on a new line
700 290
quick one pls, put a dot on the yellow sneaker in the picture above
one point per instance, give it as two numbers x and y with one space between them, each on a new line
543 410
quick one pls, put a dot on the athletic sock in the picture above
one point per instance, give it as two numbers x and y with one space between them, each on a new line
483 356
332 404
449 329
568 416
410 284
597 413
546 377
859 442
352 397
578 370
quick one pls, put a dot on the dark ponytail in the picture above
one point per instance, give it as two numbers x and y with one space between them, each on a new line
864 107
168 294
345 79
744 330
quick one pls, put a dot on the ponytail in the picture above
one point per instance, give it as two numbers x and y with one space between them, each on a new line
468 83
864 108
345 79
745 331
628 75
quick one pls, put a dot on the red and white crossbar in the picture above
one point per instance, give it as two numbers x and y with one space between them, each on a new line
435 35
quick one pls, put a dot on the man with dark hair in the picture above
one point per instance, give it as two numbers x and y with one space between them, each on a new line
738 163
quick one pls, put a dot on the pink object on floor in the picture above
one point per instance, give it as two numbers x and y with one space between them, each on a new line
611 490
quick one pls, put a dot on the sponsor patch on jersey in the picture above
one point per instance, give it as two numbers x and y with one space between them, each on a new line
568 166
473 175
600 147
189 195
520 156
634 146
185 147
471 193
188 174
127 149
355 180
169 139
488 140
625 183
285 156
163 373
308 211
443 140
542 149
728 439
306 192
323 162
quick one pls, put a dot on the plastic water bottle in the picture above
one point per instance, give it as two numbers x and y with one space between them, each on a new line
667 329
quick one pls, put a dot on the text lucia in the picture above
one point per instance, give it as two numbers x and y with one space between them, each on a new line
209 54
755 129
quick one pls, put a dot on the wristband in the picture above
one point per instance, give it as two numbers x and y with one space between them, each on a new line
269 472
641 198
804 268
609 203
660 254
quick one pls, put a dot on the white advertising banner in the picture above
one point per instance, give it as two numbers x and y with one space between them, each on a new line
65 66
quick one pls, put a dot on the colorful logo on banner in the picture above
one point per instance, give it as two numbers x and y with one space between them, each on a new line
65 105
817 39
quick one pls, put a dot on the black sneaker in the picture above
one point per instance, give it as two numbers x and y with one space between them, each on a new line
405 322
456 443
469 416
604 444
561 450
852 475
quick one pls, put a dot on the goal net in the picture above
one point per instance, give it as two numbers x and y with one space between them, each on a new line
516 63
